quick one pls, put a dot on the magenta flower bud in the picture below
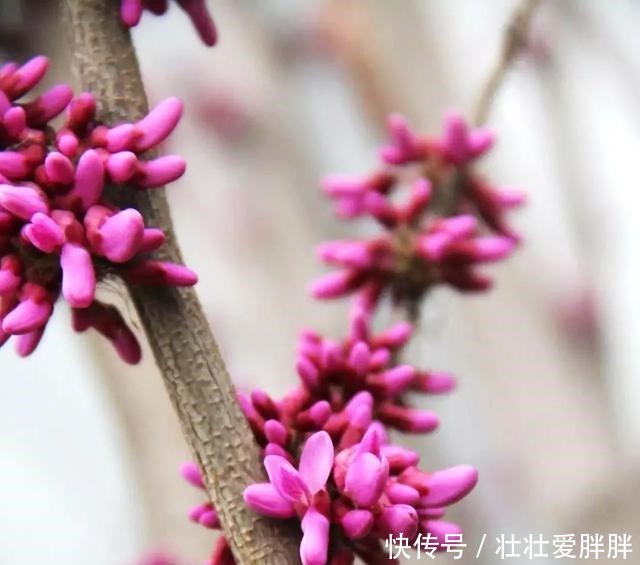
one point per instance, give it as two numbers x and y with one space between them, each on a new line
379 359
78 276
398 519
395 336
263 404
463 225
348 253
459 144
88 182
15 121
157 124
13 165
44 233
121 235
275 432
366 478
357 523
58 168
152 239
27 343
433 246
335 284
392 382
191 473
31 313
434 382
359 357
121 138
156 273
308 372
408 419
332 355
80 112
343 185
315 538
27 76
161 171
210 520
265 499
67 143
402 494
48 105
420 198
122 166
363 398
480 141
510 198
381 208
201 19
491 248
316 416
22 201
450 485
131 12
399 458
405 146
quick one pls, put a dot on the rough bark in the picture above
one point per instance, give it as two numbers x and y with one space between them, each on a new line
183 345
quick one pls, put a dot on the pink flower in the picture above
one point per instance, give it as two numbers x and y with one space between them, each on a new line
59 233
411 255
299 492
131 12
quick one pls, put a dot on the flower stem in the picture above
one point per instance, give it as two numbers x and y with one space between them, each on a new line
185 350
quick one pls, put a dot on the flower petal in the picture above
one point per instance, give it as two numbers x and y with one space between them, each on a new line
316 461
315 540
450 485
265 499
286 479
366 478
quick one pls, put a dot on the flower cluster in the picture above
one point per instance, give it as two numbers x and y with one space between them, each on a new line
59 233
328 455
131 12
420 246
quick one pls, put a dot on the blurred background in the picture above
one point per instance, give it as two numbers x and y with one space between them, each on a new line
548 363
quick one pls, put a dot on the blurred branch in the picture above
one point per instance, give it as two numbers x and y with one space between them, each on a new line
514 41
193 371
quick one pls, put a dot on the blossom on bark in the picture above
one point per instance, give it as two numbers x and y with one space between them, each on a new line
61 229
326 444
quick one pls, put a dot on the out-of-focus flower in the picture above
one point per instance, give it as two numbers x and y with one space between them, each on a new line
435 236
131 12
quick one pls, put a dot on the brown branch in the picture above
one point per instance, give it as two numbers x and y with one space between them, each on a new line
514 40
184 348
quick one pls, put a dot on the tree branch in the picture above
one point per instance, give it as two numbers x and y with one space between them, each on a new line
514 40
184 348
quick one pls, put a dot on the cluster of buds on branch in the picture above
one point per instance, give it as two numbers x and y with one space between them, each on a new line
131 12
434 236
60 233
328 454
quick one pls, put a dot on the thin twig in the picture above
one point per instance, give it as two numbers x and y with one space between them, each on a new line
184 348
514 41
